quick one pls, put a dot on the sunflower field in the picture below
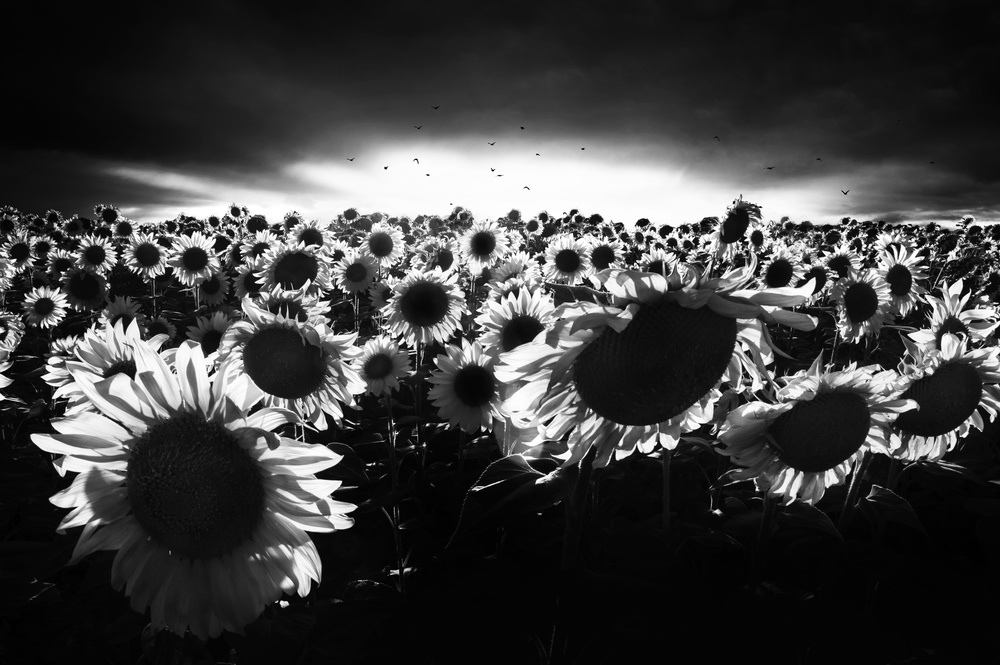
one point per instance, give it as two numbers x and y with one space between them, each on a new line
539 440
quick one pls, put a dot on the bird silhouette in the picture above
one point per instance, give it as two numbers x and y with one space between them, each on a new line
582 148
418 126
492 169
844 191
818 159
427 174
527 188
717 139
931 162
499 175
386 168
350 159
416 160
436 107
492 142
537 155
768 167
522 128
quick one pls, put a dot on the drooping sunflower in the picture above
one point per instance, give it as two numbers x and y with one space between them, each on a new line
483 245
208 508
298 366
952 385
954 313
425 307
646 369
44 307
146 257
863 302
382 364
207 332
903 270
816 431
193 258
465 390
567 260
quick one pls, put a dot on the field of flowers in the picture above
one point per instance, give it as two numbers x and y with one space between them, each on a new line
524 440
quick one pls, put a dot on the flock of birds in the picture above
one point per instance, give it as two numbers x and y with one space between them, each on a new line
500 175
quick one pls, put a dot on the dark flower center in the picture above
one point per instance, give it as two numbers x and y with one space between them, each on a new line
519 330
424 304
156 327
290 309
380 244
194 259
816 435
483 243
19 251
900 280
193 489
664 361
445 258
757 237
234 211
736 225
95 255
210 341
211 286
356 272
860 301
61 264
531 226
311 236
567 260
841 264
259 248
779 273
946 398
284 364
474 385
147 255
123 229
44 306
952 325
293 270
378 366
819 273
126 367
602 257
109 215
658 267
84 286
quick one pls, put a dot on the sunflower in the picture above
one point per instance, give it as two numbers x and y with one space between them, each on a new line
842 261
951 385
425 307
733 229
606 253
96 254
863 301
513 320
302 367
214 289
567 260
902 268
16 252
11 333
58 262
207 331
291 305
518 271
4 380
246 282
160 325
297 268
645 370
145 257
439 253
483 245
354 272
950 314
816 431
384 243
781 269
310 233
380 292
85 289
256 245
465 391
382 364
193 258
207 506
44 307
123 309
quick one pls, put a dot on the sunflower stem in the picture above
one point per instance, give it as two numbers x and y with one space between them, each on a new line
666 459
893 474
763 535
460 470
854 489
394 481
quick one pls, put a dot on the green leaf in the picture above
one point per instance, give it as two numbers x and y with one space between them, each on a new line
883 505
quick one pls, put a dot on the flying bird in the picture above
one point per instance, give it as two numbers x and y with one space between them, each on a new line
768 167
527 188
416 160
931 162
492 169
427 174
436 107
844 192
818 159
582 148
492 142
418 126
350 159
717 139
386 168
522 128
537 155
499 175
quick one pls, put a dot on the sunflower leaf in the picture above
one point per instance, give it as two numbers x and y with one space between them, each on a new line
882 505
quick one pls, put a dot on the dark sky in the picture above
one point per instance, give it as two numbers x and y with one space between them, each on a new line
193 106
